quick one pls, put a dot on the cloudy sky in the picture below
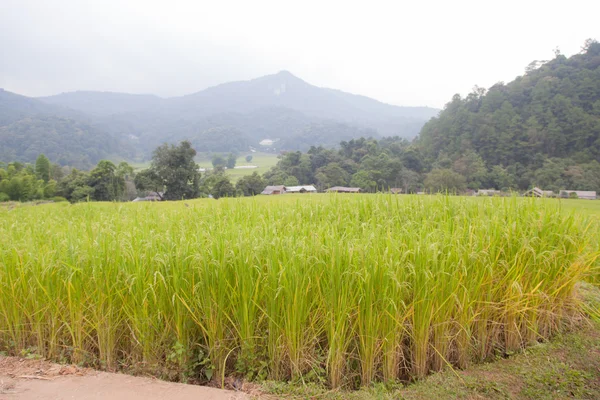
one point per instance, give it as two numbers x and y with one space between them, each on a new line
400 52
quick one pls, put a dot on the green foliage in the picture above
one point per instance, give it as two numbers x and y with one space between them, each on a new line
249 158
82 193
222 187
251 185
445 180
218 161
19 182
66 141
148 180
365 163
71 183
231 160
363 180
173 170
541 129
42 168
106 184
50 189
217 184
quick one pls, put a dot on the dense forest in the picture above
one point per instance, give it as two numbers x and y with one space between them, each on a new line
541 129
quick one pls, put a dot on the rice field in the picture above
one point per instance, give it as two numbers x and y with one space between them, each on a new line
344 290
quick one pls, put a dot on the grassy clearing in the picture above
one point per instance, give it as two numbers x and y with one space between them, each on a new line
331 289
264 162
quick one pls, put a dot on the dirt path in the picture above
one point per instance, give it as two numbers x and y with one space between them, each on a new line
40 380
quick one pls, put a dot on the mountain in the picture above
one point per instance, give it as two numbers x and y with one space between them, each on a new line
29 127
103 103
229 117
279 106
284 90
14 107
541 129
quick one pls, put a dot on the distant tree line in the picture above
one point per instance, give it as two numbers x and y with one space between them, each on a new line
47 181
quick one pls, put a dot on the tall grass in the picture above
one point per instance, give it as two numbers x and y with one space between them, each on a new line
346 290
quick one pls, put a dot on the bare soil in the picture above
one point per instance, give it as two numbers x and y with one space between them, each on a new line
24 379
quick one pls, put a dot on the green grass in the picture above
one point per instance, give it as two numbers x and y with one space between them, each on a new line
336 290
264 162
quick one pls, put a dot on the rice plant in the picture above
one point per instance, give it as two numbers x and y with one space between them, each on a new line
344 290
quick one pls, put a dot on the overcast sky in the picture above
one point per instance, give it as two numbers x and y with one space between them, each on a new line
404 53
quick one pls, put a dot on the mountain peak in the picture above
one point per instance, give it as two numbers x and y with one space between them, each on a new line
284 72
285 75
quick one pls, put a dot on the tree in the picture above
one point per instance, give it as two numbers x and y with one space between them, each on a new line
411 181
106 184
70 186
173 170
218 161
291 181
471 166
331 175
125 171
231 160
363 180
49 190
148 180
445 180
251 185
222 187
42 168
217 184
249 158
82 193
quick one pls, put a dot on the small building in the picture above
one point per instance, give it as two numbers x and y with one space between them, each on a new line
151 196
343 189
581 194
537 192
274 190
301 189
396 190
488 192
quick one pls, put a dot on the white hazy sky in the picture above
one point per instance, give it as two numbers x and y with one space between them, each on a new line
404 53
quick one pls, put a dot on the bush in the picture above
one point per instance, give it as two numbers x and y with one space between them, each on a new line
58 199
4 197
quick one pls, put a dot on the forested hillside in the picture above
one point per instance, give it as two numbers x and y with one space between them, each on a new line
65 141
29 127
236 115
541 129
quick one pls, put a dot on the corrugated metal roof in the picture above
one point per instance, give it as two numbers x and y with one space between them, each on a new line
293 189
273 189
343 189
581 193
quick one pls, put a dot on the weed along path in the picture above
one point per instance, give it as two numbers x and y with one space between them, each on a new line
40 380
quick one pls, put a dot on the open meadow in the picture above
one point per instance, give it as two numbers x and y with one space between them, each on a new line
263 162
341 290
